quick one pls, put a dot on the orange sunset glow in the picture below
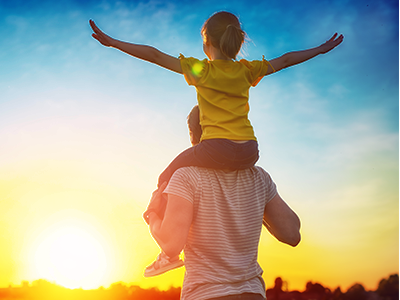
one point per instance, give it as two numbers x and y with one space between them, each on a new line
86 130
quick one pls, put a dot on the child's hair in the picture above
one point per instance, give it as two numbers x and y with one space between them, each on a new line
224 32
193 121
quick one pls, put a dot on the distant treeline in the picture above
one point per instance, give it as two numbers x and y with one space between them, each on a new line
388 289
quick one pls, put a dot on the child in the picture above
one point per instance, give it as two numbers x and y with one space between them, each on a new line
222 84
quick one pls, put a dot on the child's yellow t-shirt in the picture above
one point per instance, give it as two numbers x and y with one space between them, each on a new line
223 94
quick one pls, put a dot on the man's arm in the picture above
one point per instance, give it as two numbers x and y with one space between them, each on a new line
172 231
282 222
297 57
147 53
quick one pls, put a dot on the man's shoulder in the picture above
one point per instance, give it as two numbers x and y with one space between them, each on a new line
201 171
195 180
187 174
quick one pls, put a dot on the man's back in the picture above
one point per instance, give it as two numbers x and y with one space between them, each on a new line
222 245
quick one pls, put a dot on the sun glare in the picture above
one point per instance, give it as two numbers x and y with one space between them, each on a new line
71 257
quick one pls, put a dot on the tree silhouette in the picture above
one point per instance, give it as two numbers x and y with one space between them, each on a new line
388 289
356 292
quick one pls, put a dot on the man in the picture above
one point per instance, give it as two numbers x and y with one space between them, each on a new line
216 217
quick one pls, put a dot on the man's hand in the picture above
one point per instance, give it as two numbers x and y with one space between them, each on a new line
99 35
156 199
157 203
332 43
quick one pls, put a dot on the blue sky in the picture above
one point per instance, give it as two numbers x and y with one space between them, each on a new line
88 128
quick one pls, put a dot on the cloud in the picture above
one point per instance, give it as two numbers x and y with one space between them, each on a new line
359 137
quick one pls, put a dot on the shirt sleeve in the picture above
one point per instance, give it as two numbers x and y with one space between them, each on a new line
183 183
258 69
193 69
270 185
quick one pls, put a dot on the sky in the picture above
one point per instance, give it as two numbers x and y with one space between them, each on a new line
85 131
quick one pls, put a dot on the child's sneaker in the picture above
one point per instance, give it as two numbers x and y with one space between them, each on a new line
162 264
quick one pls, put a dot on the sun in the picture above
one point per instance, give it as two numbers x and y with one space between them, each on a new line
72 257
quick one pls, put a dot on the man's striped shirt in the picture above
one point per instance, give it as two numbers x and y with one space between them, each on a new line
222 246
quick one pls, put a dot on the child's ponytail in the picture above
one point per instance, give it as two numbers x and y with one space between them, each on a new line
231 41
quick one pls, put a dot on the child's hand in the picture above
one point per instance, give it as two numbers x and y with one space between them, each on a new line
99 35
333 42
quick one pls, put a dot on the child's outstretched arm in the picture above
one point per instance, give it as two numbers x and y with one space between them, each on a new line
144 52
297 57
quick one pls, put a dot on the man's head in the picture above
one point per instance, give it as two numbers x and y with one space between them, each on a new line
193 121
